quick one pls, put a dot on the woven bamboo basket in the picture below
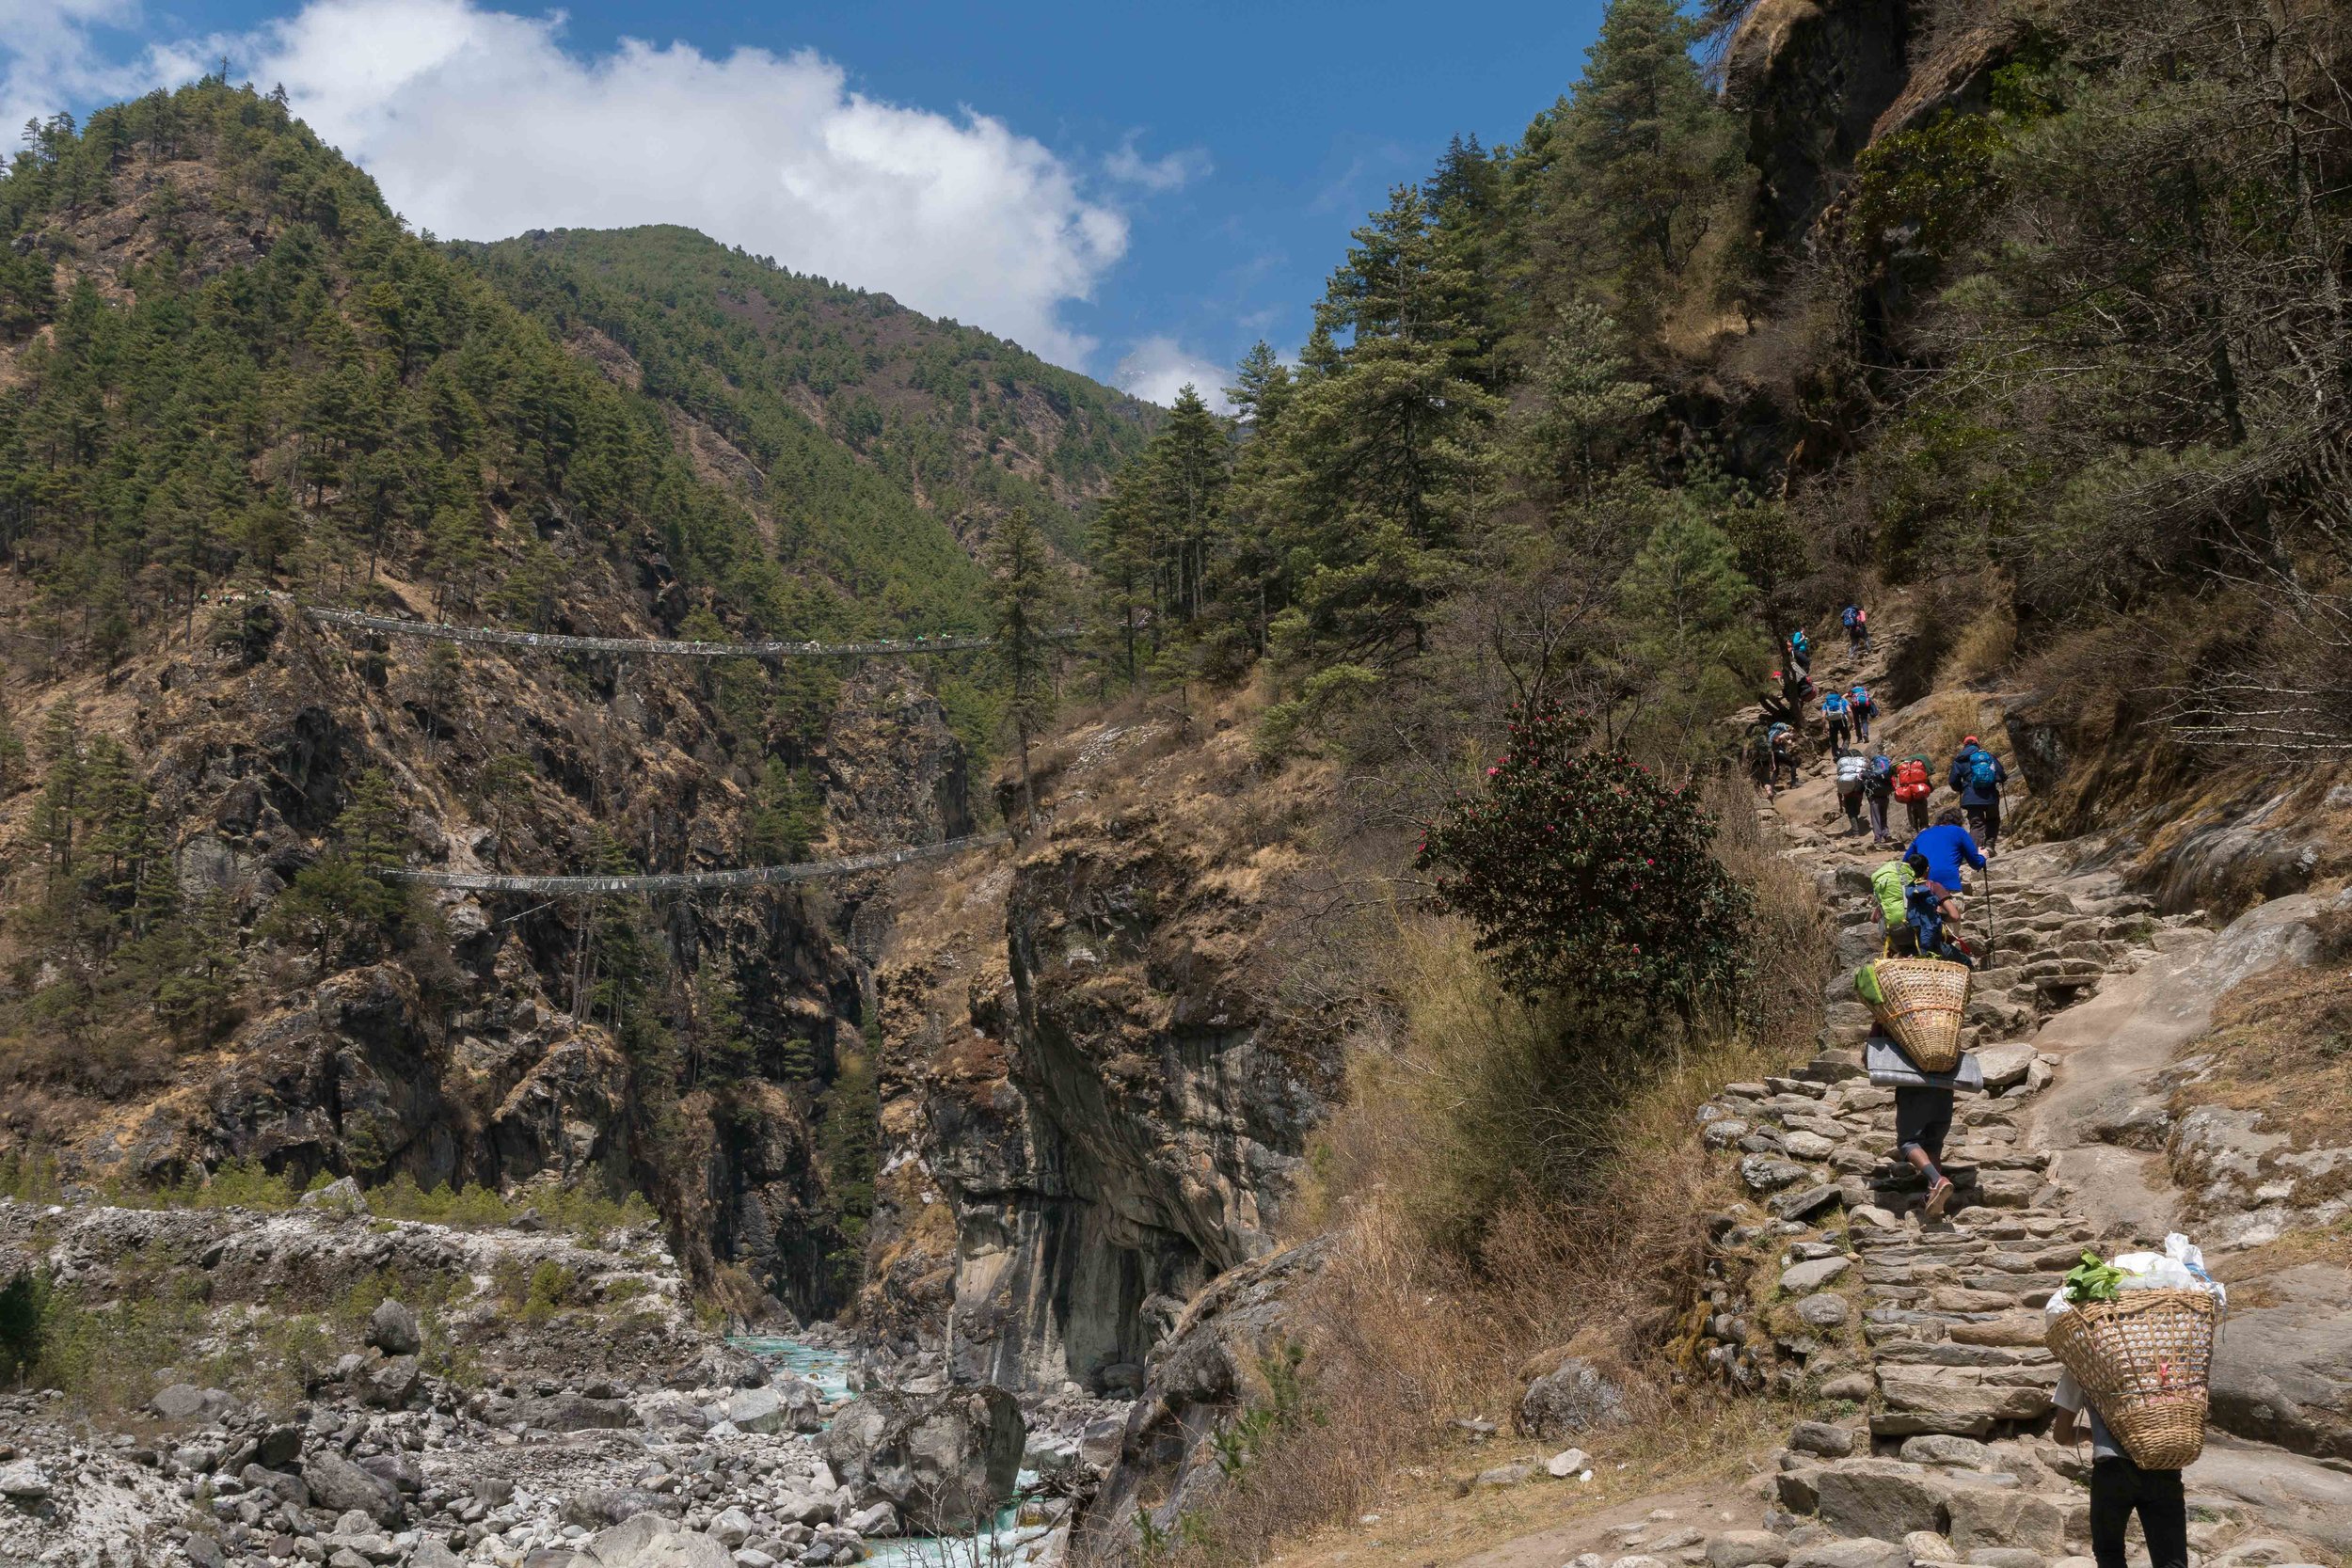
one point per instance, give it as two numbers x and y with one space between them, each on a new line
2146 1360
1925 1000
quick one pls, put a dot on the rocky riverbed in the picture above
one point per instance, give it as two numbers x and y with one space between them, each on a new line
555 1403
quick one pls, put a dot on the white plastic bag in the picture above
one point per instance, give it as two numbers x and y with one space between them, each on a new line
2181 1266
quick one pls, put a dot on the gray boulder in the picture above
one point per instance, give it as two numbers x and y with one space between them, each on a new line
24 1481
946 1462
392 1329
594 1510
1861 1552
792 1404
186 1402
1747 1549
2282 1374
338 1485
341 1196
571 1411
286 1488
1882 1498
650 1541
1572 1398
389 1384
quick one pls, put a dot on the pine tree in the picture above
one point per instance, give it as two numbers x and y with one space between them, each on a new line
57 816
1588 409
1024 592
196 998
1262 384
1647 161
1385 460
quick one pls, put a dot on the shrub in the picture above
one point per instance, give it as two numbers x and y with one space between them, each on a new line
1586 876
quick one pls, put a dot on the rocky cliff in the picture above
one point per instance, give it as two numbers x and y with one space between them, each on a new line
1096 1092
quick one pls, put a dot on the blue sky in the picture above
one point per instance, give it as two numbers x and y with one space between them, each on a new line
1136 191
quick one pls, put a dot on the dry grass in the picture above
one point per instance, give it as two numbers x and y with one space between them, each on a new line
1983 647
2282 1044
1497 1201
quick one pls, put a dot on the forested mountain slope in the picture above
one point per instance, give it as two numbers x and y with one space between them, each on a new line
230 380
864 429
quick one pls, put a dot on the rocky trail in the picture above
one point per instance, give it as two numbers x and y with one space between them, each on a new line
1927 1335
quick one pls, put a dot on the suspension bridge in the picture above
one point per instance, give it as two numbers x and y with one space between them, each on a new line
555 643
690 881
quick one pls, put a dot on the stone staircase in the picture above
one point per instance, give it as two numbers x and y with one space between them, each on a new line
1919 1341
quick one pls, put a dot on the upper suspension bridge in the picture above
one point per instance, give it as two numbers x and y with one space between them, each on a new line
556 642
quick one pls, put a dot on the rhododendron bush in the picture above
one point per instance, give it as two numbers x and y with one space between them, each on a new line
1586 875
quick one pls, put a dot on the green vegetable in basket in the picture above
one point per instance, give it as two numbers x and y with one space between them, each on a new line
2093 1279
1865 985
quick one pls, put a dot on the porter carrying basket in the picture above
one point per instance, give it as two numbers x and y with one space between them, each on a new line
1920 1003
2145 1359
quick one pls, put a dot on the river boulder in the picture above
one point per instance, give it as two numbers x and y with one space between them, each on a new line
946 1461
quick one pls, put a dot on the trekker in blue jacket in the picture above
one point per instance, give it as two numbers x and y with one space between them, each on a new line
1977 774
1946 845
1834 712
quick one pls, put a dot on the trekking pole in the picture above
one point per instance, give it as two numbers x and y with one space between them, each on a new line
1988 912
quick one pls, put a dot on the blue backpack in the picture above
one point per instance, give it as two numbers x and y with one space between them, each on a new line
1861 697
1983 772
1849 617
1833 707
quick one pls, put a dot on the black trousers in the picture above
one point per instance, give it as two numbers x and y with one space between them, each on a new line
1984 824
2117 1487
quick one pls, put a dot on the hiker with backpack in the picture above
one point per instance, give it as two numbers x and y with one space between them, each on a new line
1833 710
1800 652
1852 768
1780 742
1933 911
1946 847
1911 788
1856 621
1979 775
1860 709
1877 788
1890 895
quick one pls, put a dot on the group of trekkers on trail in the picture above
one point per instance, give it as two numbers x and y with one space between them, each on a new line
1916 899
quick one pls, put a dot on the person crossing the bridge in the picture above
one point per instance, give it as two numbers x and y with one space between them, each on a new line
2118 1487
1979 775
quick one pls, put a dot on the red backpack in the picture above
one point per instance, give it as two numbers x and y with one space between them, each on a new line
1911 780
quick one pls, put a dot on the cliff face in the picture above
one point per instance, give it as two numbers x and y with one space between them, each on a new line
1820 79
1094 1098
466 1059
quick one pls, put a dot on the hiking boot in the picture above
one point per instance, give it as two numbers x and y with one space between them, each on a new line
1938 1195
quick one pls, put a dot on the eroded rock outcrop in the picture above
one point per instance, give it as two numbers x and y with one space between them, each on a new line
1090 1107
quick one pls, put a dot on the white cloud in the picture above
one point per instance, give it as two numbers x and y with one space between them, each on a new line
1156 368
49 58
1173 172
478 124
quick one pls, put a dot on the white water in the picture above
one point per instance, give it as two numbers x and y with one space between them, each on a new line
1006 1542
